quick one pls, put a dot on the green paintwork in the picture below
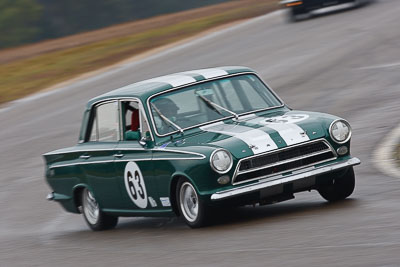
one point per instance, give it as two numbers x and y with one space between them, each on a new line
132 135
163 159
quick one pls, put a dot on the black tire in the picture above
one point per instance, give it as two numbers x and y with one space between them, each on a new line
94 217
291 16
192 209
360 3
340 188
294 14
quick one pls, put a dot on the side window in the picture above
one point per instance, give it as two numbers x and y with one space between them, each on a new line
105 126
134 120
145 124
94 133
131 115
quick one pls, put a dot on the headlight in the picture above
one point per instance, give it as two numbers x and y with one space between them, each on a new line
221 161
340 131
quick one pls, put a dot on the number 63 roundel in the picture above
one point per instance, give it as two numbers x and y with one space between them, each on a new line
134 184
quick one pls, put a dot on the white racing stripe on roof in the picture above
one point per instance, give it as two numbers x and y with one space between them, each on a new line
257 140
208 73
173 80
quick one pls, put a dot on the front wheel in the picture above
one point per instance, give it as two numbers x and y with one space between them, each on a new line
190 206
94 217
294 14
340 188
360 3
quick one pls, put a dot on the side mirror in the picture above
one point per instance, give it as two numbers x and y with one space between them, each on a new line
146 141
132 135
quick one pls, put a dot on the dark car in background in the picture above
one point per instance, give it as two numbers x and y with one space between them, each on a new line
302 7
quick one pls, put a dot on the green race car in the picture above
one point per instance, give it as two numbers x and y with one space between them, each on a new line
189 142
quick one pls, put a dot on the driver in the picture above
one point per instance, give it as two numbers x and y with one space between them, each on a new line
168 108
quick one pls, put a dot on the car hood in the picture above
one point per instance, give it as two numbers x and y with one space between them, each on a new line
255 134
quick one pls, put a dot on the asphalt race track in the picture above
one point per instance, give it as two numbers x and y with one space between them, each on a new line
345 63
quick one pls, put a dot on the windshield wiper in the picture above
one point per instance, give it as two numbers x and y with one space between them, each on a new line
165 119
215 106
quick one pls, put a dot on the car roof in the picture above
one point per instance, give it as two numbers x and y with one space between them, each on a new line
146 88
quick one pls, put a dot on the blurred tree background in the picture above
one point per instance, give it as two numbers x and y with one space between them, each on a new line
27 21
19 22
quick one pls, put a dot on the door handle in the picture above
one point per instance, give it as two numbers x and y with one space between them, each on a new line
84 157
118 155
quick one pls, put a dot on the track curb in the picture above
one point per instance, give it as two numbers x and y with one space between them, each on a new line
385 154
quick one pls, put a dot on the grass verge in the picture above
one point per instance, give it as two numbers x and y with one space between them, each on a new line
26 76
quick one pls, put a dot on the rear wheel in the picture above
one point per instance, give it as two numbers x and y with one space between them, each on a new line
94 217
340 188
190 206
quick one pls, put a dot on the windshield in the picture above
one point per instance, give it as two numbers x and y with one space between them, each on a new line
210 101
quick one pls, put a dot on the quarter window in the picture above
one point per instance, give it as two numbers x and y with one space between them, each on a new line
105 126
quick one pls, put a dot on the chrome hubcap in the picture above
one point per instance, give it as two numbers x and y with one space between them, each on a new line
90 207
189 202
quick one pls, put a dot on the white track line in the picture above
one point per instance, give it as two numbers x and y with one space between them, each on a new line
384 155
383 66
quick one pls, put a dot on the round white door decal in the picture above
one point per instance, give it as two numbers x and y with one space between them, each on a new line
134 184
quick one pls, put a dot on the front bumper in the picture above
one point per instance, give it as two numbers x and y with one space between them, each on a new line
274 181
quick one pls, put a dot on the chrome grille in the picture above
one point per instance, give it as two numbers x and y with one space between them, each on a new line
283 160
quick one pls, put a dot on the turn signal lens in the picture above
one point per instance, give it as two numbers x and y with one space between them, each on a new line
342 150
223 179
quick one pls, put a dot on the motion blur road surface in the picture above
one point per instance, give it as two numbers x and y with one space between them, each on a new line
345 63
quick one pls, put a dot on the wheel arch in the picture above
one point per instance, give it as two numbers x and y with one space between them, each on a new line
174 183
76 195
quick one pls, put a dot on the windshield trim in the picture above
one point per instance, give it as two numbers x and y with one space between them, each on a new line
217 120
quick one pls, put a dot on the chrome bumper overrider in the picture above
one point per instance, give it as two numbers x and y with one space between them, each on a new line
273 181
57 197
50 196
